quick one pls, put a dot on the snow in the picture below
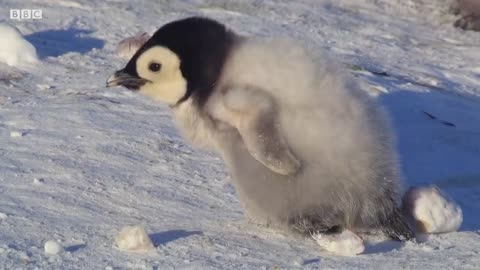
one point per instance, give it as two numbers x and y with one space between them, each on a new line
433 211
346 243
110 157
53 247
133 238
14 49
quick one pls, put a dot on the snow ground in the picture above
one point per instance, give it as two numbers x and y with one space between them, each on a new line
92 160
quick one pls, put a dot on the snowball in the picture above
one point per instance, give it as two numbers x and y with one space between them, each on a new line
129 46
44 86
346 243
432 210
3 216
14 49
38 181
53 247
16 134
133 238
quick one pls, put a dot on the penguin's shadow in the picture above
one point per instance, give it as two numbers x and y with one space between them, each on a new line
75 248
163 238
56 42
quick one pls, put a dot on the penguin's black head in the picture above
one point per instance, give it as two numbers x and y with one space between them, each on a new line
182 60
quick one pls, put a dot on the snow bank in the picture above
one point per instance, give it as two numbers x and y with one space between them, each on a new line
14 49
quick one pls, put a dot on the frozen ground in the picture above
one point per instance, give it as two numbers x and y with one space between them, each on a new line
78 161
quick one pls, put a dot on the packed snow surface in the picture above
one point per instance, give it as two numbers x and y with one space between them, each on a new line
110 157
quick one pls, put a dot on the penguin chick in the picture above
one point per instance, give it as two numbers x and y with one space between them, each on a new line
306 148
470 14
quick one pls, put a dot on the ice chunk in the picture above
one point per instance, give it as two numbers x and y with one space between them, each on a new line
53 247
16 134
432 210
134 238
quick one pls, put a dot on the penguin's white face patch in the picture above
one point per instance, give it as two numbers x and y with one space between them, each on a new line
161 67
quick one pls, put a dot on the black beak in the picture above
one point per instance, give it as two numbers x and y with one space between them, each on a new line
121 77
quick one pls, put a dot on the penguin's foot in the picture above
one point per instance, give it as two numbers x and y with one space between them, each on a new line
314 224
468 23
397 228
345 243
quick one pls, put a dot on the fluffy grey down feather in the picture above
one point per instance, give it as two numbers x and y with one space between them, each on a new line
348 177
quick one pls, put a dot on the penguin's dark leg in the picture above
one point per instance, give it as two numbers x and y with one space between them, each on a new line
396 227
314 224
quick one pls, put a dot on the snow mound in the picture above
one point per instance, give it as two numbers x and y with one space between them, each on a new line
14 49
53 247
134 238
129 46
432 210
346 243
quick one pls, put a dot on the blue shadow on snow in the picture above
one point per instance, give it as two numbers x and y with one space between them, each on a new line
439 143
75 247
56 42
163 238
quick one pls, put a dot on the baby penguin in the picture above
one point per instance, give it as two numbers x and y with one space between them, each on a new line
469 10
306 148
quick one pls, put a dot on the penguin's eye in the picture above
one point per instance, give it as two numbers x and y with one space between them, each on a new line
155 67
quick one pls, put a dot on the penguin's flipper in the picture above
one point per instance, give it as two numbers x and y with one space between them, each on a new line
252 112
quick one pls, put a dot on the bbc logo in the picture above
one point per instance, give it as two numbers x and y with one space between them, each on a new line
25 14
